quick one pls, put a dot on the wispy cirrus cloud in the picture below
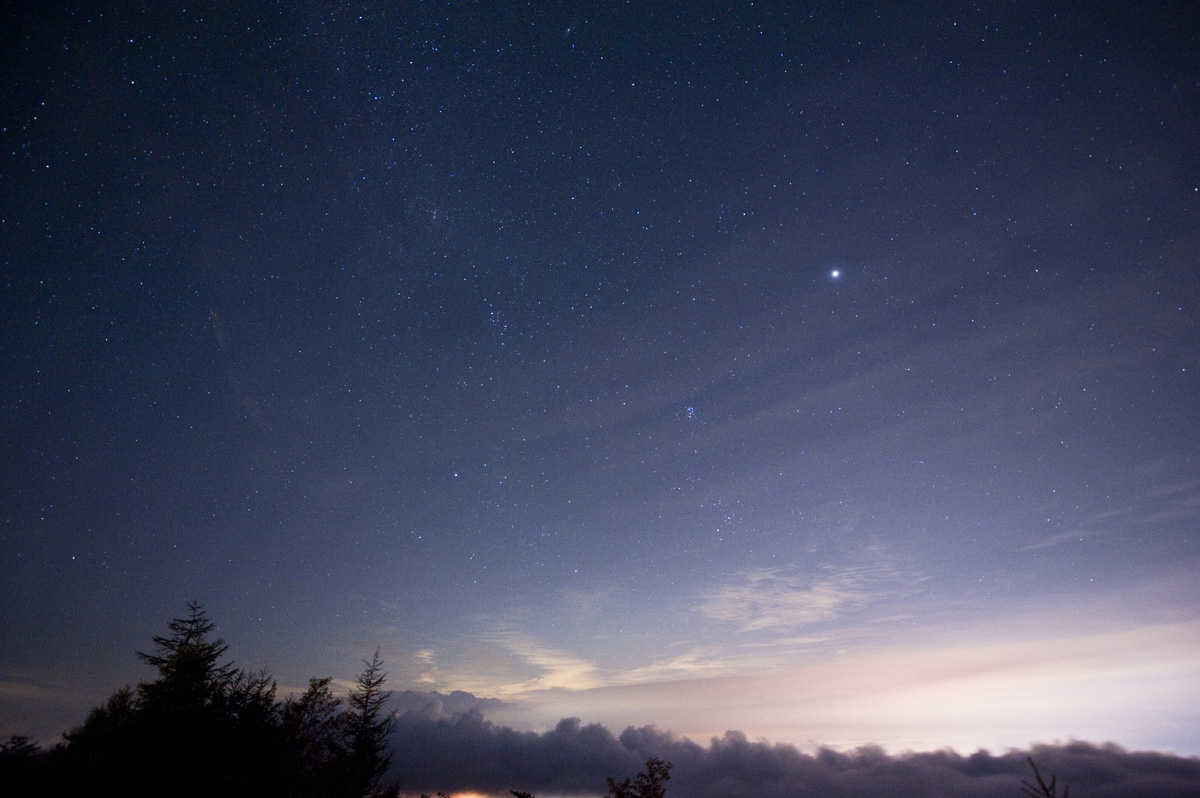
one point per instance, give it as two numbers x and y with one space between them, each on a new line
777 601
780 599
1167 502
771 598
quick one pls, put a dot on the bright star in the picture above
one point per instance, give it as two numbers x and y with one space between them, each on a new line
835 274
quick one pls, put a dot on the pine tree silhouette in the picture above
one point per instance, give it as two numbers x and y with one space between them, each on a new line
367 729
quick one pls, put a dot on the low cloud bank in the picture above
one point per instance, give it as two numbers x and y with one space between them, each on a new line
468 753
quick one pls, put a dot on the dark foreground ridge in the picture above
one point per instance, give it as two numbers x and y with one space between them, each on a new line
203 727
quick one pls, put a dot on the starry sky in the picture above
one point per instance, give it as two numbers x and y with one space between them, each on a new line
825 371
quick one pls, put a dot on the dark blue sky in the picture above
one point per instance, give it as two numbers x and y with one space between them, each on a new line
829 373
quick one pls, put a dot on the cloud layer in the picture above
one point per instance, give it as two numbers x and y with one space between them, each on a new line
467 753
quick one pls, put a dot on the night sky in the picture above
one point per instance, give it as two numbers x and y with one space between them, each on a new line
824 371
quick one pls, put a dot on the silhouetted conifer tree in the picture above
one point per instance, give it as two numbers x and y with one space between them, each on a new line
367 730
315 730
201 728
196 745
190 677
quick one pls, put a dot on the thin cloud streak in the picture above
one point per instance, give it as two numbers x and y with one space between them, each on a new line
550 668
1055 540
697 663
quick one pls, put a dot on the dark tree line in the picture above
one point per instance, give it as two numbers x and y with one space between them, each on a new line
203 727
